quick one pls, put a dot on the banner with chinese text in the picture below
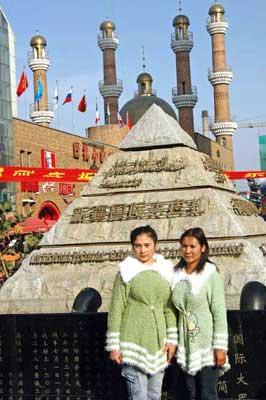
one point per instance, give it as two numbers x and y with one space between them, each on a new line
234 175
21 174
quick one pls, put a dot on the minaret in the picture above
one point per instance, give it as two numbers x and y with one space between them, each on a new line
220 76
184 95
41 112
110 88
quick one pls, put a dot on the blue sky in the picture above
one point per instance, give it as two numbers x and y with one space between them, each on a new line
71 27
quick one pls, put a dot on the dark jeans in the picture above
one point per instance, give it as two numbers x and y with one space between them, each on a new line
203 385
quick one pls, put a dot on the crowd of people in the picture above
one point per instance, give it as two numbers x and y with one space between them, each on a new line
161 313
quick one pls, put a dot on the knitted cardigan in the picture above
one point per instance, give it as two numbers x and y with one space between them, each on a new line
202 326
141 317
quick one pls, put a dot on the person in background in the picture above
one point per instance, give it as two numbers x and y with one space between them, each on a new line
198 295
142 324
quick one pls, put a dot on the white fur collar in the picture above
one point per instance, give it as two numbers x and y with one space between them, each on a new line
131 267
196 280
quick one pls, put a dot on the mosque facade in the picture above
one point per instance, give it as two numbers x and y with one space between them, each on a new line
73 151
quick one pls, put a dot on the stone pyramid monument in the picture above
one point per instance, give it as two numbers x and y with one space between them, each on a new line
159 179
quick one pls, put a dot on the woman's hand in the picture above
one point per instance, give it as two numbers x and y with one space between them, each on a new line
116 356
170 349
220 357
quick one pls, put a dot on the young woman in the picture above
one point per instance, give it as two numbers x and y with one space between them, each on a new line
141 322
198 295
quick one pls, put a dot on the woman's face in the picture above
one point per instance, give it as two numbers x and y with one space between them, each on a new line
191 250
144 248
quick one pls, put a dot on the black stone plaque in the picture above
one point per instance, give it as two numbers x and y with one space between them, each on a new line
62 356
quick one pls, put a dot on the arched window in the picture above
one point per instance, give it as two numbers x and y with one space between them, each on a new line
224 142
142 88
183 87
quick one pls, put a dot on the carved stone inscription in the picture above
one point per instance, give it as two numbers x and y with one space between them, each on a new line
78 257
122 212
263 249
244 208
220 178
211 165
109 184
144 166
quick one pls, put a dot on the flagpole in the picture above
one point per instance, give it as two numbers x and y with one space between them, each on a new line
108 115
57 108
58 118
96 120
25 106
72 110
25 99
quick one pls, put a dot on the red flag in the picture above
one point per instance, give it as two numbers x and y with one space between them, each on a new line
82 104
129 123
120 120
23 84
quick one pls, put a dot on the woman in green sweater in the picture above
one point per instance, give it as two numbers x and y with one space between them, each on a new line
198 295
142 327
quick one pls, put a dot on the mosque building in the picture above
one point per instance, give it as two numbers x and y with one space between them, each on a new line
64 150
184 95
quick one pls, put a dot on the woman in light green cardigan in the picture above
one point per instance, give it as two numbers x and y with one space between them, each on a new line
142 321
198 295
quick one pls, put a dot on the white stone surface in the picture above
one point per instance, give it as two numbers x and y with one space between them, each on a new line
156 128
52 284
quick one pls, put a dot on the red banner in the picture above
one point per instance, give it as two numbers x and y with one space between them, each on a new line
20 174
234 175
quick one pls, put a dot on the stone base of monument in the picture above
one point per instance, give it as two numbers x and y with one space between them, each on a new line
51 278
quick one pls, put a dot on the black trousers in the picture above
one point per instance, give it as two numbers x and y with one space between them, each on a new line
203 386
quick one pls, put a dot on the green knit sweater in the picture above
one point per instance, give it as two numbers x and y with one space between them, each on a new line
202 326
141 316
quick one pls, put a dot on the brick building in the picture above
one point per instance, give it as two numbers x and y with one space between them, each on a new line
41 146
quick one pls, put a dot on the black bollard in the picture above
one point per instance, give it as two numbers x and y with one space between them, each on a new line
253 296
88 300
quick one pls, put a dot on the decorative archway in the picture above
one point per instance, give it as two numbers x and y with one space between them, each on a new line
49 211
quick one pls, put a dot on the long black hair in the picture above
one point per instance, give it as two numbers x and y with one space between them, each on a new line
198 234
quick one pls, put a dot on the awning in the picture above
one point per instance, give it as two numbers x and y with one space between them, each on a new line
31 224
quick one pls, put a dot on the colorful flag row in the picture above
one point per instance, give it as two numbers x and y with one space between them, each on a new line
24 84
82 106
